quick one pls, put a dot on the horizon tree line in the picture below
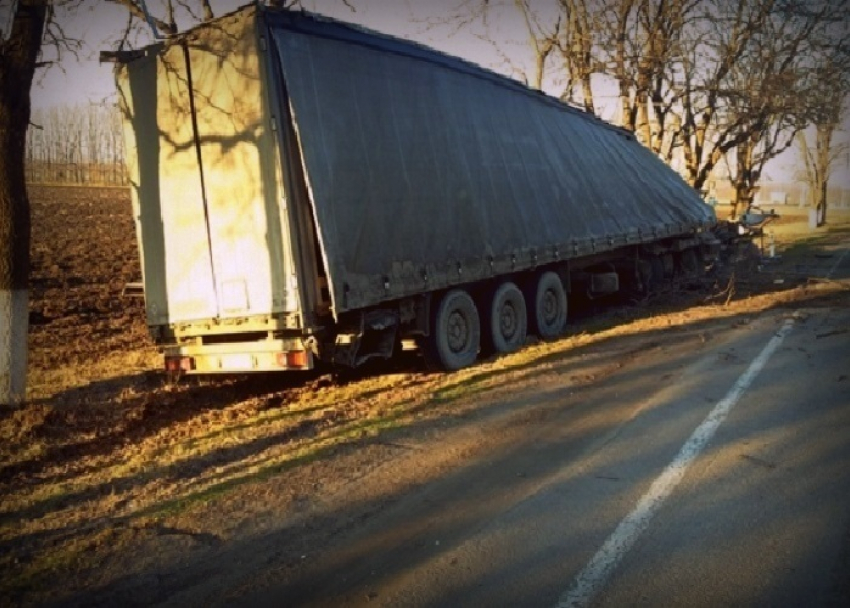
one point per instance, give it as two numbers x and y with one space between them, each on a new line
76 144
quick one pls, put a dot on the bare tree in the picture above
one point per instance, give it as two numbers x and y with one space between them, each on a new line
18 60
542 27
819 161
771 92
714 46
564 28
541 40
644 57
696 79
577 43
75 143
829 94
746 84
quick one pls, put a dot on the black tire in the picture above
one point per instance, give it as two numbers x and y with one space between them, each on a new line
690 263
507 324
669 264
643 279
455 332
657 273
549 315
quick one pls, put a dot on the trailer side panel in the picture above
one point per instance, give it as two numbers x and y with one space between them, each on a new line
206 179
425 171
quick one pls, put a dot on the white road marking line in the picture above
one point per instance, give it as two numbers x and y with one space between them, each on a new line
837 262
590 580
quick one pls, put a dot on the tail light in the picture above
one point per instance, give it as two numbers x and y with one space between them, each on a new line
179 364
293 359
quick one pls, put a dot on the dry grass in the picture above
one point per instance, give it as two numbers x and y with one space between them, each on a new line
108 447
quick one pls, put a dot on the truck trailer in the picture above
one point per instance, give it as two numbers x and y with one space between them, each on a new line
307 190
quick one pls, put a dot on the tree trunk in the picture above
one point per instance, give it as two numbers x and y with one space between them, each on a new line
18 57
743 178
587 94
626 106
824 146
642 128
744 197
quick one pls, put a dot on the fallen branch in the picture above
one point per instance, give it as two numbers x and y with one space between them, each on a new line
728 292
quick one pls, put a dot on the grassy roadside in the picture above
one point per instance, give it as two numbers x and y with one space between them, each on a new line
111 450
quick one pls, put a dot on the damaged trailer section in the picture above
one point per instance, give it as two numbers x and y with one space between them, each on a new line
307 186
422 165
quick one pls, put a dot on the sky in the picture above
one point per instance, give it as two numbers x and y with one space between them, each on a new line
81 79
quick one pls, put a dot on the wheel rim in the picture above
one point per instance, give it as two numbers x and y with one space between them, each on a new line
458 332
508 320
690 262
550 307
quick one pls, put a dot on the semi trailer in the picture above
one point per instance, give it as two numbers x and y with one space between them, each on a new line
307 190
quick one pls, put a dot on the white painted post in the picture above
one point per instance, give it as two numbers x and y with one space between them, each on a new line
14 313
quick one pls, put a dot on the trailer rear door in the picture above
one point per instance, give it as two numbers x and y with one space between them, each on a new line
206 181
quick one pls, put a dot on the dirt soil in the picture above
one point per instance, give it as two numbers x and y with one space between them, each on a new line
118 486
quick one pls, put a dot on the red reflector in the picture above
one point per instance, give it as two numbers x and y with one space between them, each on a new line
294 358
297 358
179 364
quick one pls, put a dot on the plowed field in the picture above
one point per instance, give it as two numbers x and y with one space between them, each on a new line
83 253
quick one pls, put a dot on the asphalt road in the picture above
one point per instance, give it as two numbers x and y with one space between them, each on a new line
713 470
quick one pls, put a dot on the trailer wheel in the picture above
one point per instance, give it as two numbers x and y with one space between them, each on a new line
690 263
656 273
455 333
550 306
507 324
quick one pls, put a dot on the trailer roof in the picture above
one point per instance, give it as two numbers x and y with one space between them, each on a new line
315 24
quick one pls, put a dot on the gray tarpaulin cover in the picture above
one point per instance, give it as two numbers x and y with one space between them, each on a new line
426 171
